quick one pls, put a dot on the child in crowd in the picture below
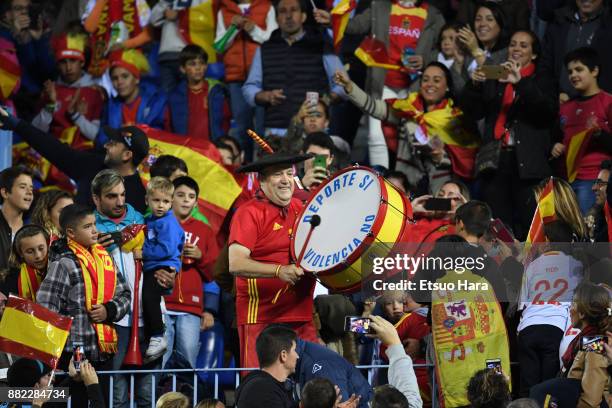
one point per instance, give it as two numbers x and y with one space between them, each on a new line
548 287
28 262
448 51
189 309
197 107
585 121
162 250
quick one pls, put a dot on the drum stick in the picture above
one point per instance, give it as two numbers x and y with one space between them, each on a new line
315 221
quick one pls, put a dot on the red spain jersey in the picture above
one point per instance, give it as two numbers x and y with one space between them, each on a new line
265 229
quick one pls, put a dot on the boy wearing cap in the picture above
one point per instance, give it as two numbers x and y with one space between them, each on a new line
128 147
136 102
72 106
198 106
269 288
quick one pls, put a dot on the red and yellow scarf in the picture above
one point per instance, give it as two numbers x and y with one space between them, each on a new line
444 121
507 102
100 281
28 282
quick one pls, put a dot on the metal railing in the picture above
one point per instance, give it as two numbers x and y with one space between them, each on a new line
173 373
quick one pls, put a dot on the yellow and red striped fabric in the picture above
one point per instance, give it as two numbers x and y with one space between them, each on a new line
197 25
575 150
28 282
218 187
339 20
373 53
10 71
33 331
545 213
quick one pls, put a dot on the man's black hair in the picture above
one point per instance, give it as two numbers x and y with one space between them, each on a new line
9 175
272 341
388 396
227 139
318 393
167 164
320 139
586 55
187 181
72 214
301 3
401 176
191 52
606 165
476 217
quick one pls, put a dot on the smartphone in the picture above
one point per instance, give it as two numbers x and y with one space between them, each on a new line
312 98
501 232
494 71
438 204
78 355
116 236
594 344
320 160
358 324
494 364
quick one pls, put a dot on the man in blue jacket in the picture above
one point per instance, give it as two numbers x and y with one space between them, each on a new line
318 361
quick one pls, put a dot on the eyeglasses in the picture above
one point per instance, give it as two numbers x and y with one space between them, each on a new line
314 115
600 183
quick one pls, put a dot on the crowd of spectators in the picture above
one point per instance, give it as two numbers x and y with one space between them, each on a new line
492 105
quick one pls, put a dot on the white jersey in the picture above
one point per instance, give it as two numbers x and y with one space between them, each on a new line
548 288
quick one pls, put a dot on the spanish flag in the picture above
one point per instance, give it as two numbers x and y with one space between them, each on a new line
10 72
373 53
576 147
197 25
33 331
544 213
339 20
218 188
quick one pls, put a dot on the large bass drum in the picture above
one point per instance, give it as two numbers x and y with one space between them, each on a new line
357 208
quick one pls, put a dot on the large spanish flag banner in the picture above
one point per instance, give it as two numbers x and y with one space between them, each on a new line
339 20
218 188
197 26
576 146
30 330
468 329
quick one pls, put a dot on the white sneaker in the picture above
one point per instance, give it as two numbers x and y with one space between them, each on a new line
157 347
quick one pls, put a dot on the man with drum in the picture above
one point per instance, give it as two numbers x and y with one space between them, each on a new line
269 288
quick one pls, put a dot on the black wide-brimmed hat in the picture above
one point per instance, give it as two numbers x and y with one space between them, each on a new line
274 159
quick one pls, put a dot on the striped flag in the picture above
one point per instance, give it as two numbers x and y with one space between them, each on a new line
10 72
339 20
544 213
575 150
218 188
30 330
197 26
373 53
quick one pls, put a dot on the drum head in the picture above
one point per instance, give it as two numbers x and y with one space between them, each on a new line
348 206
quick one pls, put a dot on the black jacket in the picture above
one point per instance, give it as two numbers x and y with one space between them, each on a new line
259 389
81 166
5 242
531 119
554 46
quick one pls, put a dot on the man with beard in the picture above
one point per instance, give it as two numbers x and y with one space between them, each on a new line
125 149
600 233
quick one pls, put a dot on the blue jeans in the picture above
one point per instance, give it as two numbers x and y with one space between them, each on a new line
584 193
245 117
142 383
183 335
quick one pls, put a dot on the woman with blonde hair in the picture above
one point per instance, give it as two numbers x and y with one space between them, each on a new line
173 400
47 209
584 363
566 206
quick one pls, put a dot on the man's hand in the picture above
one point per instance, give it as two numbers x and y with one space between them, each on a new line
207 321
98 313
385 331
248 25
192 251
49 89
275 97
322 17
557 150
170 15
341 78
290 273
88 373
165 278
238 20
314 176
